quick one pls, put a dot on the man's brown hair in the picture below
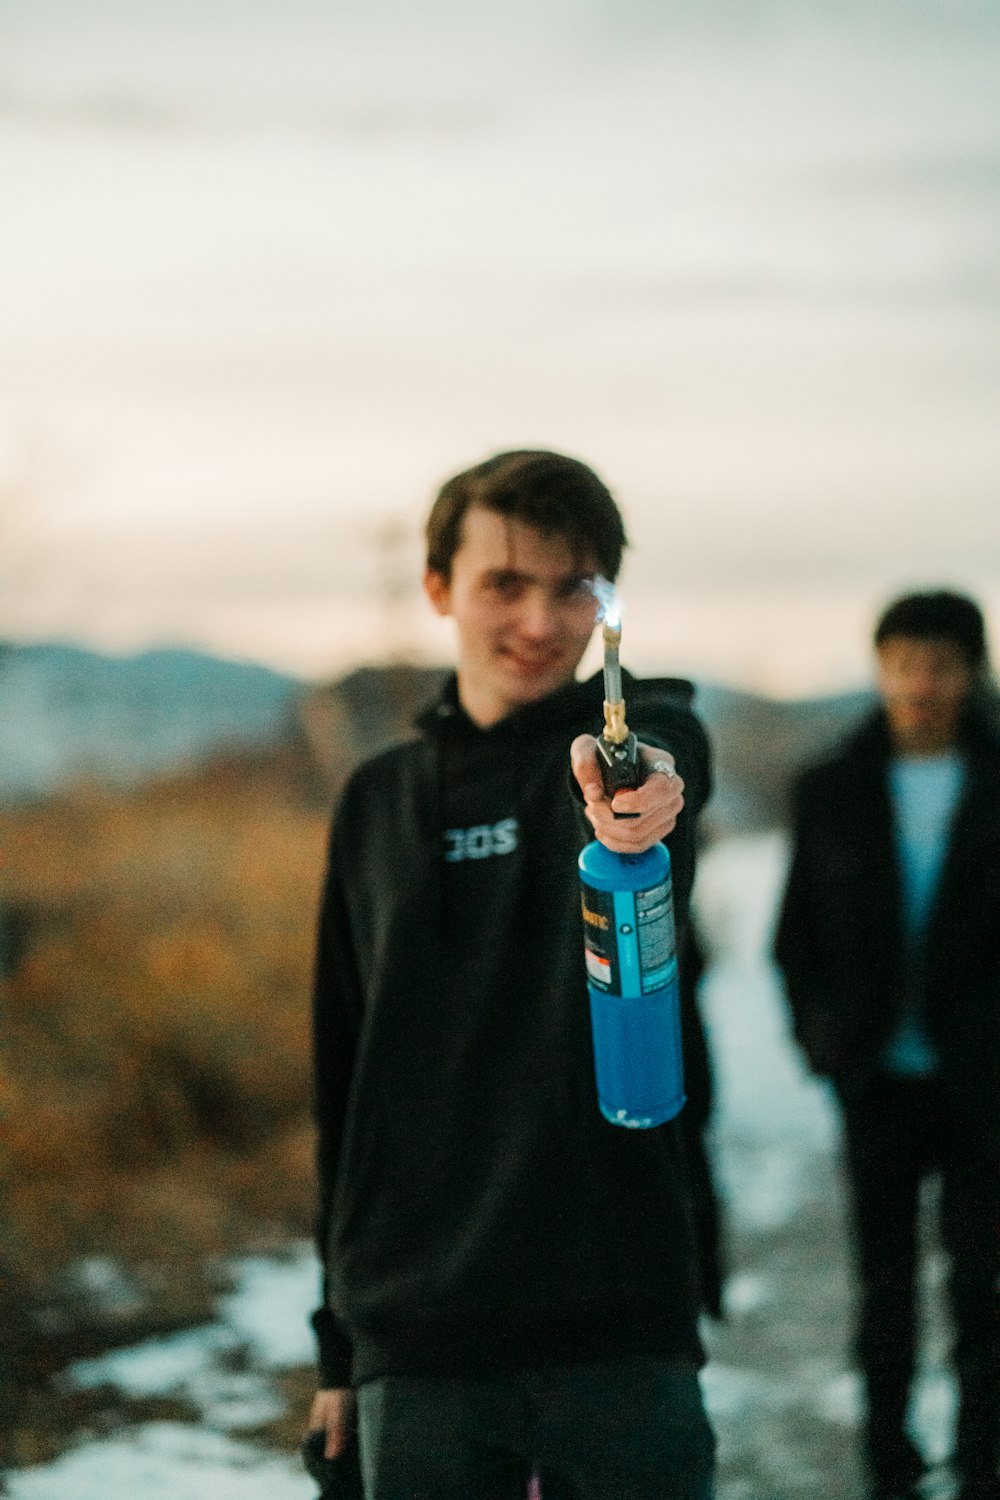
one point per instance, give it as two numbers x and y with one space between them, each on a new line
557 495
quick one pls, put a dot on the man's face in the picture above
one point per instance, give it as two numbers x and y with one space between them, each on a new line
522 610
924 685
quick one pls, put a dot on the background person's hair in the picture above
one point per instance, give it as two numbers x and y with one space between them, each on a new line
559 496
938 615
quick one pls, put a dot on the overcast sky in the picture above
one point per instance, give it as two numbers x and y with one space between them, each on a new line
271 271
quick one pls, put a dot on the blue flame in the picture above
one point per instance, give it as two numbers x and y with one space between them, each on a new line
609 606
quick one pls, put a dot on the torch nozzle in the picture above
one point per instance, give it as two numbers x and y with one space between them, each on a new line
617 748
615 728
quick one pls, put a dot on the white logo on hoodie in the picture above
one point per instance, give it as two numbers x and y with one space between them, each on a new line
482 841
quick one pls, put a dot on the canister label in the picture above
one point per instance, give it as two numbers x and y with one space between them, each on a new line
629 943
600 946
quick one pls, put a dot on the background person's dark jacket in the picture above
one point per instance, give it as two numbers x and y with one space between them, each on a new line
476 1211
840 936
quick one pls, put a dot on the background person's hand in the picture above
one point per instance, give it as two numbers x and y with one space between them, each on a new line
333 1411
658 801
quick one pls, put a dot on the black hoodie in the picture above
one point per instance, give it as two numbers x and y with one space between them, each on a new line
477 1213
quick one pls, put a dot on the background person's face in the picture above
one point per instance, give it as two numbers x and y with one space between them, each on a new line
523 611
923 684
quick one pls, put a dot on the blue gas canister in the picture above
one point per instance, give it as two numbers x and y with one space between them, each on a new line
629 938
630 951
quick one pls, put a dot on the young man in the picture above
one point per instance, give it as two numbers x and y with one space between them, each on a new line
509 1278
889 938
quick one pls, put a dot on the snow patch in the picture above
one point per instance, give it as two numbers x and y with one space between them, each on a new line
156 1367
730 1392
161 1461
746 1292
270 1306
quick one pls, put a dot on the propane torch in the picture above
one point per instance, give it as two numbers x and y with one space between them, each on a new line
617 747
629 943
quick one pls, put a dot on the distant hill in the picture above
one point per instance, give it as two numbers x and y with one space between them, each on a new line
358 715
67 713
760 744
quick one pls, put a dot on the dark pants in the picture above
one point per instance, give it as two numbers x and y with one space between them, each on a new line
897 1133
626 1429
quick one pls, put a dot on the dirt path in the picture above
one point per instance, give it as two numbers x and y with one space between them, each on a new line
780 1380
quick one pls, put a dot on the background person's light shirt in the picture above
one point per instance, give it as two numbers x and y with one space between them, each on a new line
924 792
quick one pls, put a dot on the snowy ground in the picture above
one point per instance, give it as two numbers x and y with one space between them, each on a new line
224 1372
779 1381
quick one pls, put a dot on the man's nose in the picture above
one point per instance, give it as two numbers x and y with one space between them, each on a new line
539 615
922 684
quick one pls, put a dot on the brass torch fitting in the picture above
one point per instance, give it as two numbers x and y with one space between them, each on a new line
615 728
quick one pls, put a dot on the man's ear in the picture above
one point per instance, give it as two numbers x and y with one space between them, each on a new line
438 590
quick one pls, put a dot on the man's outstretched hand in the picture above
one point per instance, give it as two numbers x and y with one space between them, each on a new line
658 801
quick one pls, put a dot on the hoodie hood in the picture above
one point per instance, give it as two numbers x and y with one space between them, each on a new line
567 708
510 755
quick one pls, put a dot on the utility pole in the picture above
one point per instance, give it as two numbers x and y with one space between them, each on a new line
396 588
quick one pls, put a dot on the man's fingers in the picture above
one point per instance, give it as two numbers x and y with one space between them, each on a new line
332 1412
654 806
658 793
632 837
660 765
656 762
336 1438
583 760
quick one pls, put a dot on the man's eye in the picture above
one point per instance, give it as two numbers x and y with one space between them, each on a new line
506 585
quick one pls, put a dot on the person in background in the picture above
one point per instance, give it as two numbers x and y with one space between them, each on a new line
510 1280
889 941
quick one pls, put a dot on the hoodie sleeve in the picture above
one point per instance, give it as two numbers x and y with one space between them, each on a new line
336 1022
